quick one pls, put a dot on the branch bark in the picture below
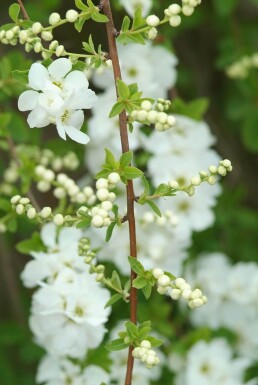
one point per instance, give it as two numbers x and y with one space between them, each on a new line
24 12
111 35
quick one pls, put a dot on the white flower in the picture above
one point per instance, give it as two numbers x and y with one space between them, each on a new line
58 96
68 316
60 255
131 5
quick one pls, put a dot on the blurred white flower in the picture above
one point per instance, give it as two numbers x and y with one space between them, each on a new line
58 97
131 5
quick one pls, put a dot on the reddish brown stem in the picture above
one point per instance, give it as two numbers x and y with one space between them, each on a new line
111 34
24 12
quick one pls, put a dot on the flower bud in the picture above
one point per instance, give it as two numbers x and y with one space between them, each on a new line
71 15
54 18
152 21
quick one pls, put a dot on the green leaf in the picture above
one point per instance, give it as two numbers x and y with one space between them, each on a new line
138 20
99 17
126 159
79 4
194 109
146 185
21 76
14 11
162 189
115 281
171 276
125 24
7 26
225 8
131 172
154 207
78 25
145 324
137 38
147 291
115 345
113 299
117 109
133 88
33 244
122 89
84 223
110 159
132 330
103 174
136 266
155 342
140 282
110 230
144 332
5 205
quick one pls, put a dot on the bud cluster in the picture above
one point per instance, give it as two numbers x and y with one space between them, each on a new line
178 288
168 217
240 69
210 177
150 114
146 354
174 10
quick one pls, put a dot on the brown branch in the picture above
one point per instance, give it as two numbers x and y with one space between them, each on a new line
25 15
111 34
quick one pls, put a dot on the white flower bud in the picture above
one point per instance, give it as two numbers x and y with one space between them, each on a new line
59 193
157 272
24 201
173 184
102 194
152 33
196 181
150 360
2 228
20 209
15 199
180 282
58 219
99 277
204 299
174 9
114 178
213 169
88 191
49 175
171 120
175 294
36 28
106 222
106 205
197 302
152 116
60 51
31 213
152 21
111 196
196 293
54 18
46 212
73 190
80 198
97 221
102 183
40 170
162 290
226 163
163 280
187 10
9 35
53 45
162 117
103 213
142 115
212 179
38 47
186 294
91 200
175 21
146 105
71 15
222 171
43 186
47 36
145 344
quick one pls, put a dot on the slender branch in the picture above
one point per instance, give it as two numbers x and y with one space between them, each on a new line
25 15
111 34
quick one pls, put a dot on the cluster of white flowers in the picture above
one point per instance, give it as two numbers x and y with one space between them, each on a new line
131 6
157 116
211 363
241 68
68 313
146 354
58 96
232 292
178 288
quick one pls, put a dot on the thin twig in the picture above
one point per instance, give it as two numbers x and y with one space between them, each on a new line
111 34
24 12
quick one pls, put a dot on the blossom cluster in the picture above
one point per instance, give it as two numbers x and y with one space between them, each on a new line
58 96
241 68
146 354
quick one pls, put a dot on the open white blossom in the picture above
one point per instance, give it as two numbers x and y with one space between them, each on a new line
61 371
58 96
131 5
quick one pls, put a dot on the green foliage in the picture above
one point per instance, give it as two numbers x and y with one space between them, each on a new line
33 244
89 11
132 33
194 109
144 280
14 11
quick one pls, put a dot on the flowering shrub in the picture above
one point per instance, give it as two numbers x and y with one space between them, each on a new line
111 216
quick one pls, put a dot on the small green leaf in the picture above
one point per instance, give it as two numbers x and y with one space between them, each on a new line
21 76
123 89
14 11
33 244
103 174
117 109
147 291
133 88
162 189
136 266
126 159
84 223
131 172
113 299
79 4
7 26
146 185
99 17
132 330
125 24
145 324
139 282
138 20
115 345
110 230
137 38
155 342
110 159
144 332
115 281
154 208
78 25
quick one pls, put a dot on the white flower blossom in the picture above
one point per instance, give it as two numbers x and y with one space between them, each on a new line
131 5
58 96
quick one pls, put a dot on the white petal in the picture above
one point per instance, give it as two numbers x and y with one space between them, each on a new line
38 118
83 99
76 119
76 80
48 235
60 129
28 100
33 272
59 68
68 236
38 75
77 135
